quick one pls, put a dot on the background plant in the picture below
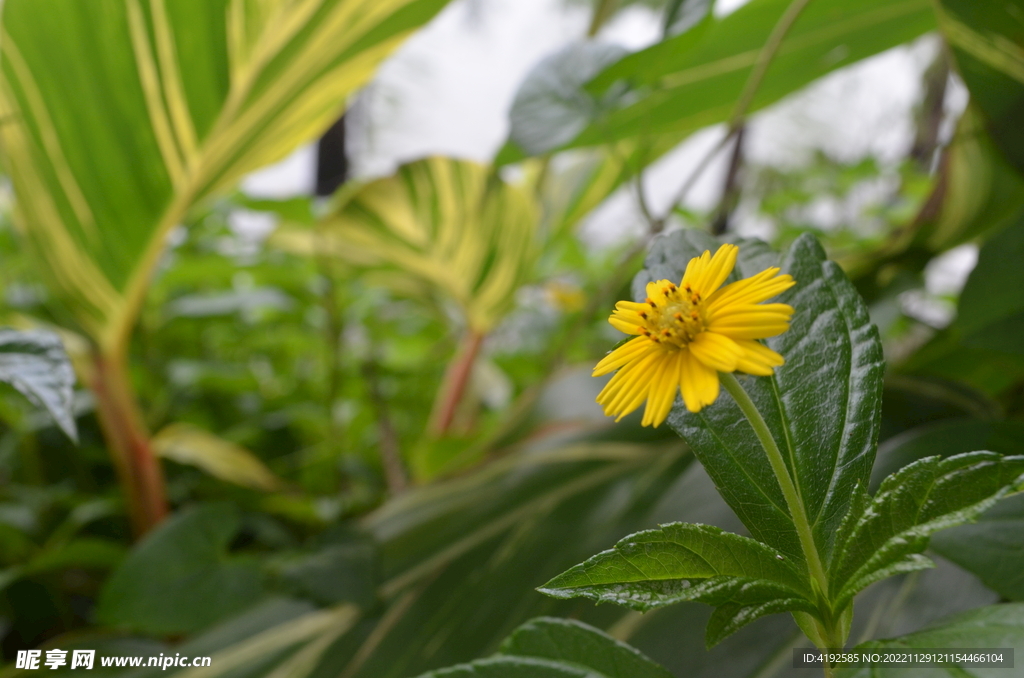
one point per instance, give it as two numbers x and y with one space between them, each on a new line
291 385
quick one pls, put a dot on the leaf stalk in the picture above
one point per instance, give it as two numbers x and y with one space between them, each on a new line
789 490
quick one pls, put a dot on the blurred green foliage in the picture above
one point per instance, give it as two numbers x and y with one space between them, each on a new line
374 548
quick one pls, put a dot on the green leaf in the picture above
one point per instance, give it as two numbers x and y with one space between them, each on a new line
173 102
946 438
888 534
188 444
822 406
335 574
551 108
559 648
180 579
35 363
438 225
991 308
987 40
573 641
680 562
676 562
992 548
693 80
996 626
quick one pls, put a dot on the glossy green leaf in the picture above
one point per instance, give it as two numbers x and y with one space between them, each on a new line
996 626
694 79
987 40
886 534
558 648
822 406
36 364
120 115
180 579
680 562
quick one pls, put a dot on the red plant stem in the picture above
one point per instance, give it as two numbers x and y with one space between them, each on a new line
138 469
456 379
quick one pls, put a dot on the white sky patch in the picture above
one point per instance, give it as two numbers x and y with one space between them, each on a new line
292 177
946 274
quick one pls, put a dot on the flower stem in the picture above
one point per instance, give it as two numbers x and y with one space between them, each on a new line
789 490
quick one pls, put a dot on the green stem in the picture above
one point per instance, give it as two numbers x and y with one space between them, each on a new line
789 490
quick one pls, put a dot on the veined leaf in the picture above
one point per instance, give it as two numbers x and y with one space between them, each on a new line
451 224
558 648
677 562
744 578
822 406
887 534
119 115
36 364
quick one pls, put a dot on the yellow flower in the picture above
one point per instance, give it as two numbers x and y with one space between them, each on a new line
691 332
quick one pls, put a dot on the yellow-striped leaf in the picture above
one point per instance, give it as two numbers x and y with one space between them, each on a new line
119 115
451 224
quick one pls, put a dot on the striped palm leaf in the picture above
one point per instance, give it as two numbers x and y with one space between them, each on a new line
120 115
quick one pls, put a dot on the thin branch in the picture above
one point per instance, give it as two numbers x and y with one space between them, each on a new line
731 187
764 60
743 104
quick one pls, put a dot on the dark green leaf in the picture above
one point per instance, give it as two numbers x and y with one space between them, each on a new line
822 406
888 534
335 574
996 626
991 308
35 363
180 579
947 438
575 642
992 548
558 648
988 42
680 562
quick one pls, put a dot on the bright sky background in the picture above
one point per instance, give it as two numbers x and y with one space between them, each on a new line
448 90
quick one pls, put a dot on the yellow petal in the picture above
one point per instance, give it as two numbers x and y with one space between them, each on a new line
698 382
632 350
752 290
626 325
706 273
757 358
751 321
628 389
663 390
717 351
695 269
